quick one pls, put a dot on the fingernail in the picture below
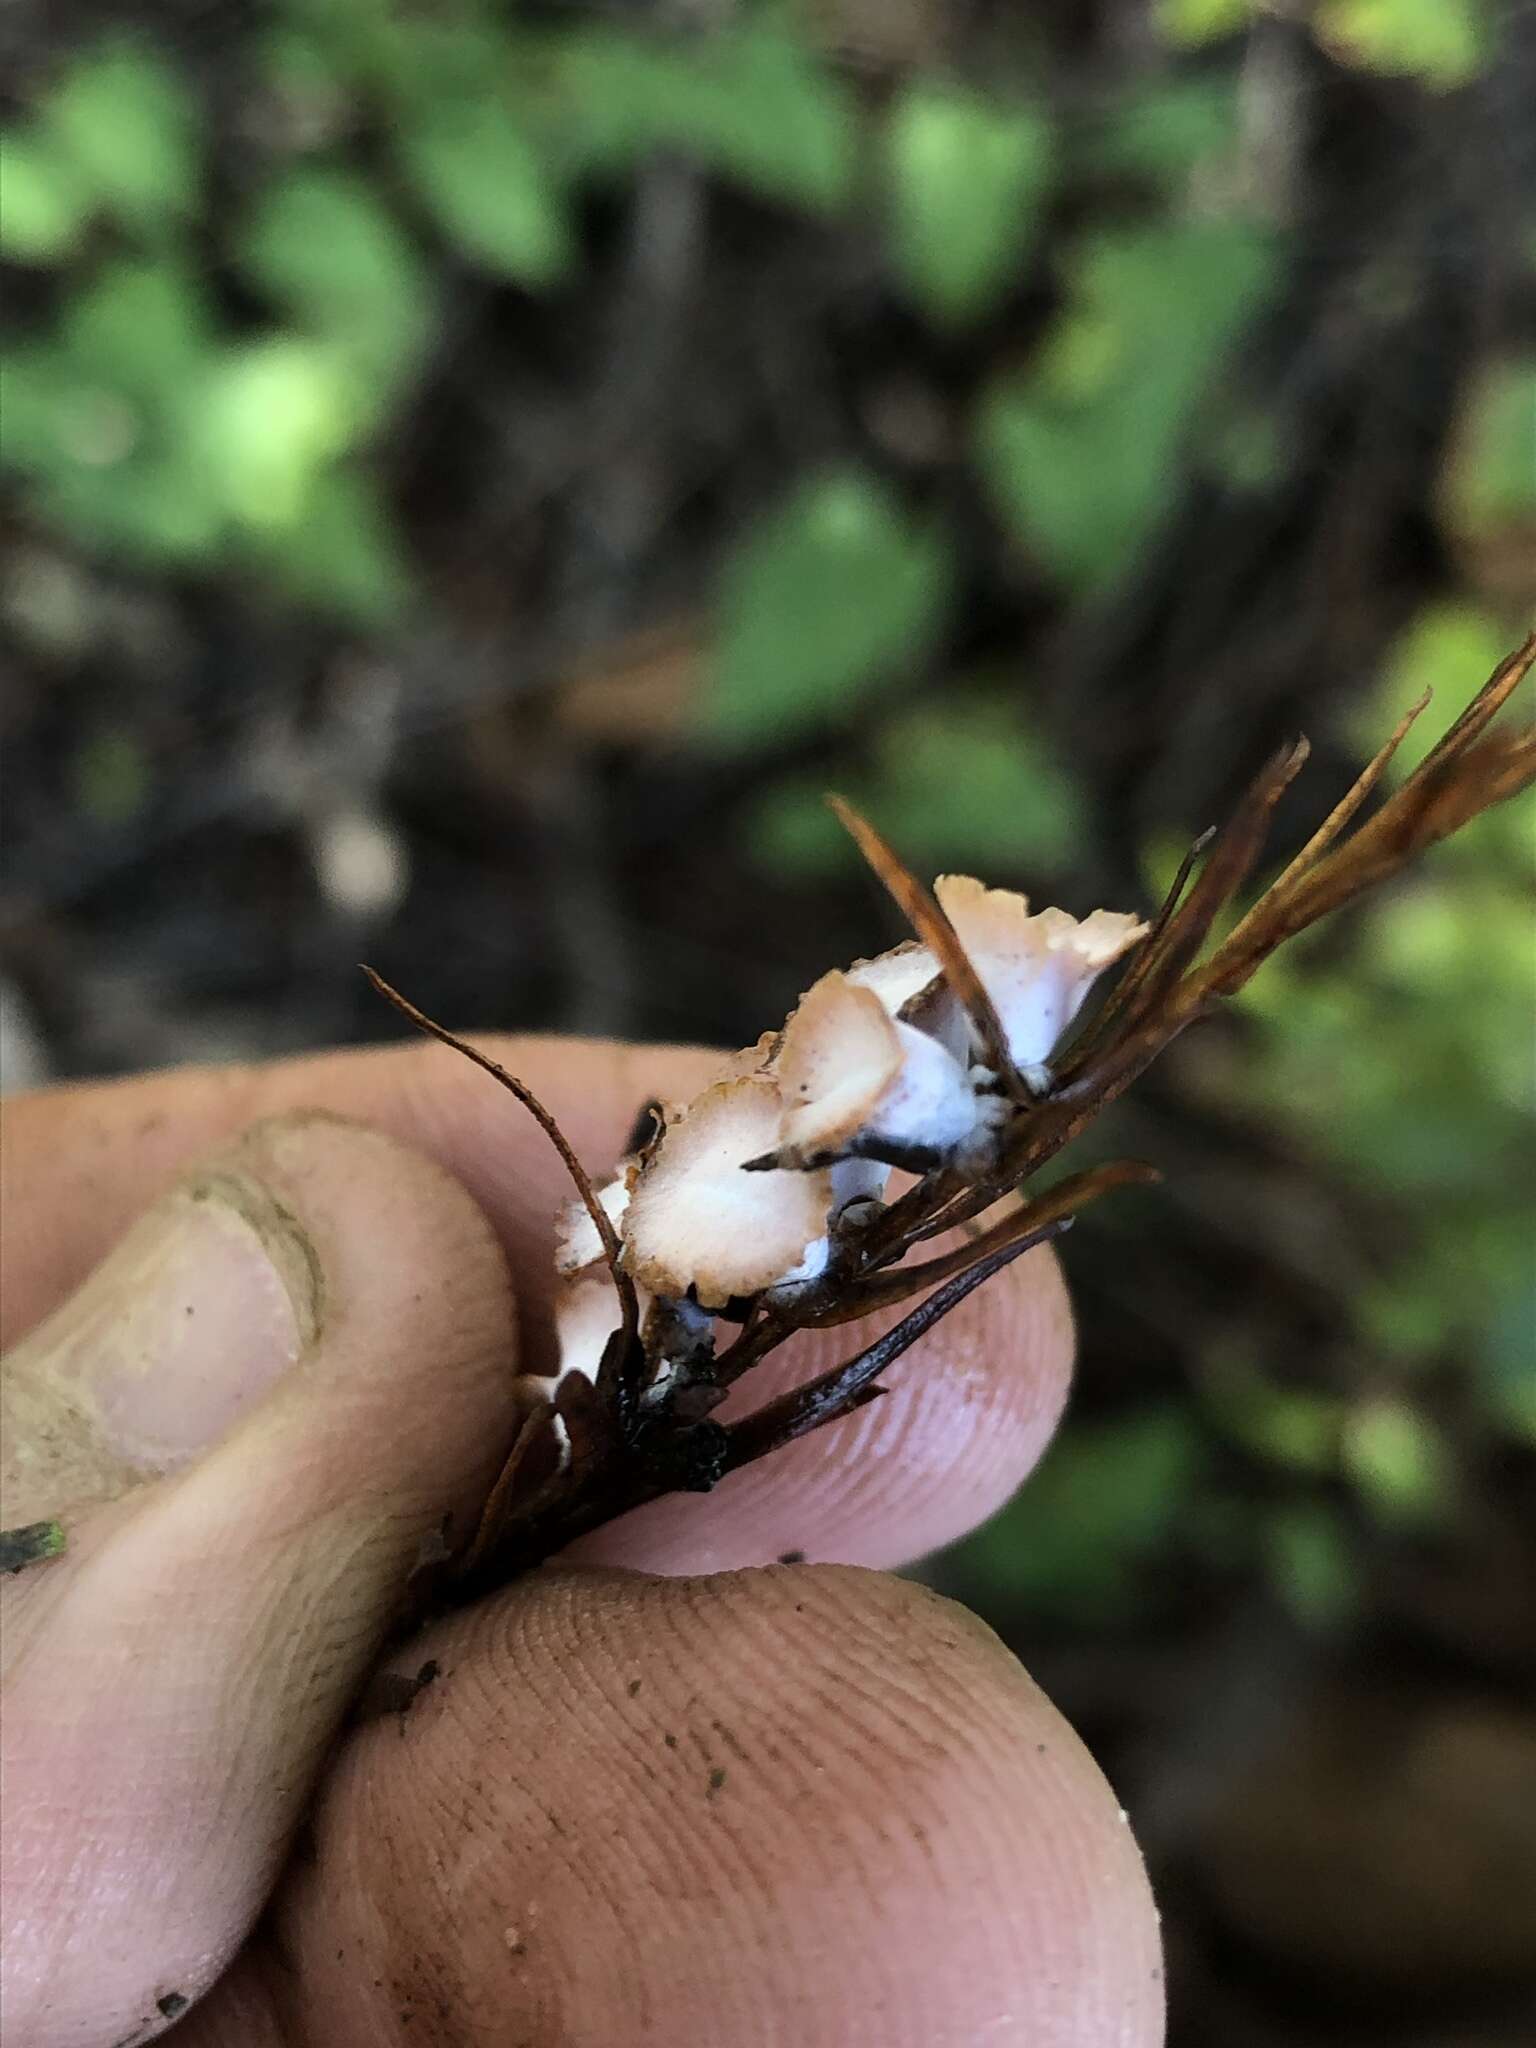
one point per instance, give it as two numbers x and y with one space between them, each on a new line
209 1300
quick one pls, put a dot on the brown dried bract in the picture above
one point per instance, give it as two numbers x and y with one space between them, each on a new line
595 1451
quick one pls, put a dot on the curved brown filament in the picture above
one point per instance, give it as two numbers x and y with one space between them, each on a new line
608 1237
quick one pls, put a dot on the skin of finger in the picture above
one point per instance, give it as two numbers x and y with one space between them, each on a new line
971 1407
79 1163
807 1804
976 1402
175 1679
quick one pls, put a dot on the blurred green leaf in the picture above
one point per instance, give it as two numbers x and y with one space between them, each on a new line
1491 481
1397 1461
1312 1563
491 194
1082 454
967 784
346 27
430 58
111 776
1192 22
1106 1501
302 72
1244 446
125 123
43 207
1164 132
830 599
273 415
98 416
1408 1316
342 557
322 246
1286 1426
1077 490
967 182
1508 1355
102 467
750 103
1410 1065
140 328
1474 940
1442 42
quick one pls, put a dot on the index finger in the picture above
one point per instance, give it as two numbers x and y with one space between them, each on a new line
969 1411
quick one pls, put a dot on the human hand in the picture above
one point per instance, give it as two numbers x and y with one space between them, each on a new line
716 1807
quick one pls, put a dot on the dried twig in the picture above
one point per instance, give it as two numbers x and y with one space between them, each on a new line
641 1428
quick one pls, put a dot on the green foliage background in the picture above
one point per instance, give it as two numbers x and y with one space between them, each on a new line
242 284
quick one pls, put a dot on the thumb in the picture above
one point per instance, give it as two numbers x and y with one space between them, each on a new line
247 1420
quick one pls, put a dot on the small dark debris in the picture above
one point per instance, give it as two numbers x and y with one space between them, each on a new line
690 1460
634 1687
670 1741
394 1692
433 1549
716 1780
646 1126
791 1557
30 1544
728 1736
172 2004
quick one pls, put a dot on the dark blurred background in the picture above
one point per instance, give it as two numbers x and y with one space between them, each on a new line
474 475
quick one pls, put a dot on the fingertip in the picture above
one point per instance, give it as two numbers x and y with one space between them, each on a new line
810 1804
410 1365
